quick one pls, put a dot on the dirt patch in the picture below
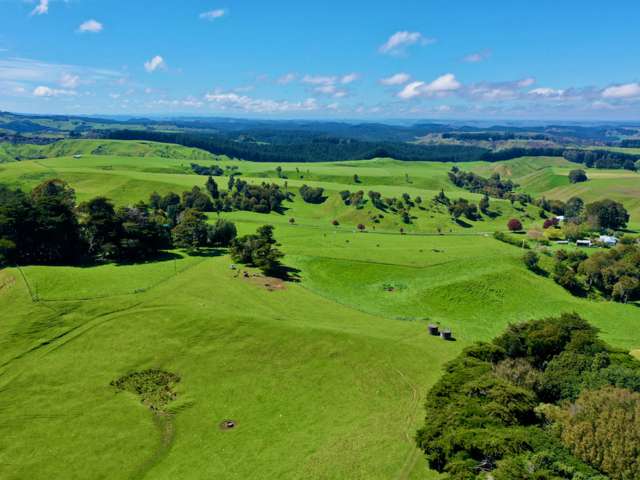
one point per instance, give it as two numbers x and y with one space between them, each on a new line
271 284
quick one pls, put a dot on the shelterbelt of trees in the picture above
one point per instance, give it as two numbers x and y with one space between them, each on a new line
545 400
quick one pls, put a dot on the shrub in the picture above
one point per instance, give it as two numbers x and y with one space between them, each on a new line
514 225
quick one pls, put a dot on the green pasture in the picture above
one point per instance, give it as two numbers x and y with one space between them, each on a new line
325 377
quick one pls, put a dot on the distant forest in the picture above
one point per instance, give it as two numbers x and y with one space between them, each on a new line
313 149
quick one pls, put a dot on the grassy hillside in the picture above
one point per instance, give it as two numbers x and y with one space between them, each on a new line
67 148
325 377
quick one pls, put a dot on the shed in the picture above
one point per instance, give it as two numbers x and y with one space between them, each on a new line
433 329
583 243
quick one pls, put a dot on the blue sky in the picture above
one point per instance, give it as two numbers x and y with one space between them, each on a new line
526 59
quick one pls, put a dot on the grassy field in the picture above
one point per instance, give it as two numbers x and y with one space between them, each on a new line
324 377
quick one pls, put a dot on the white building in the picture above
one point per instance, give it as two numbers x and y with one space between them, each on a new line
608 240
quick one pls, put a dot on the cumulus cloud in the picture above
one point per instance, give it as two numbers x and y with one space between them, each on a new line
213 14
230 100
42 8
627 90
43 91
398 42
68 80
547 92
441 86
329 84
477 57
287 78
90 26
397 79
154 64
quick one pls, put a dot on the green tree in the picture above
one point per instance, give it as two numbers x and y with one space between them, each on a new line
257 250
212 188
607 213
577 176
191 230
101 228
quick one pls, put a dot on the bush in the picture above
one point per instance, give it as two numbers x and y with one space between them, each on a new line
514 225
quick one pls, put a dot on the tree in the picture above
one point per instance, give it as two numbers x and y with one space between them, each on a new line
198 200
484 204
258 250
574 208
212 188
356 178
361 227
55 236
221 233
335 223
514 225
312 195
605 214
101 228
577 176
602 428
191 230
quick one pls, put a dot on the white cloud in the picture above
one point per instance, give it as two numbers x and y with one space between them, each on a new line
319 80
351 77
526 82
399 41
213 14
90 26
413 89
155 63
547 92
43 91
443 84
42 8
230 100
328 84
68 80
397 79
477 57
440 87
627 90
287 78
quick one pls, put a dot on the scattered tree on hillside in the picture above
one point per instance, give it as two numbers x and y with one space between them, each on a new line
514 225
312 195
257 250
606 214
577 176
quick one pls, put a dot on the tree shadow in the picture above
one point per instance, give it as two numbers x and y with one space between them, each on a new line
462 223
207 252
285 273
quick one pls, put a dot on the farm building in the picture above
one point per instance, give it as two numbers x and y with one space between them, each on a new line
583 243
608 240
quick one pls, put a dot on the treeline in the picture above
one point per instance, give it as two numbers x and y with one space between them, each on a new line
319 149
613 274
602 159
46 226
545 400
517 152
494 186
494 136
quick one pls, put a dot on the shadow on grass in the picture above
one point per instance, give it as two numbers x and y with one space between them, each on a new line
288 274
207 252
